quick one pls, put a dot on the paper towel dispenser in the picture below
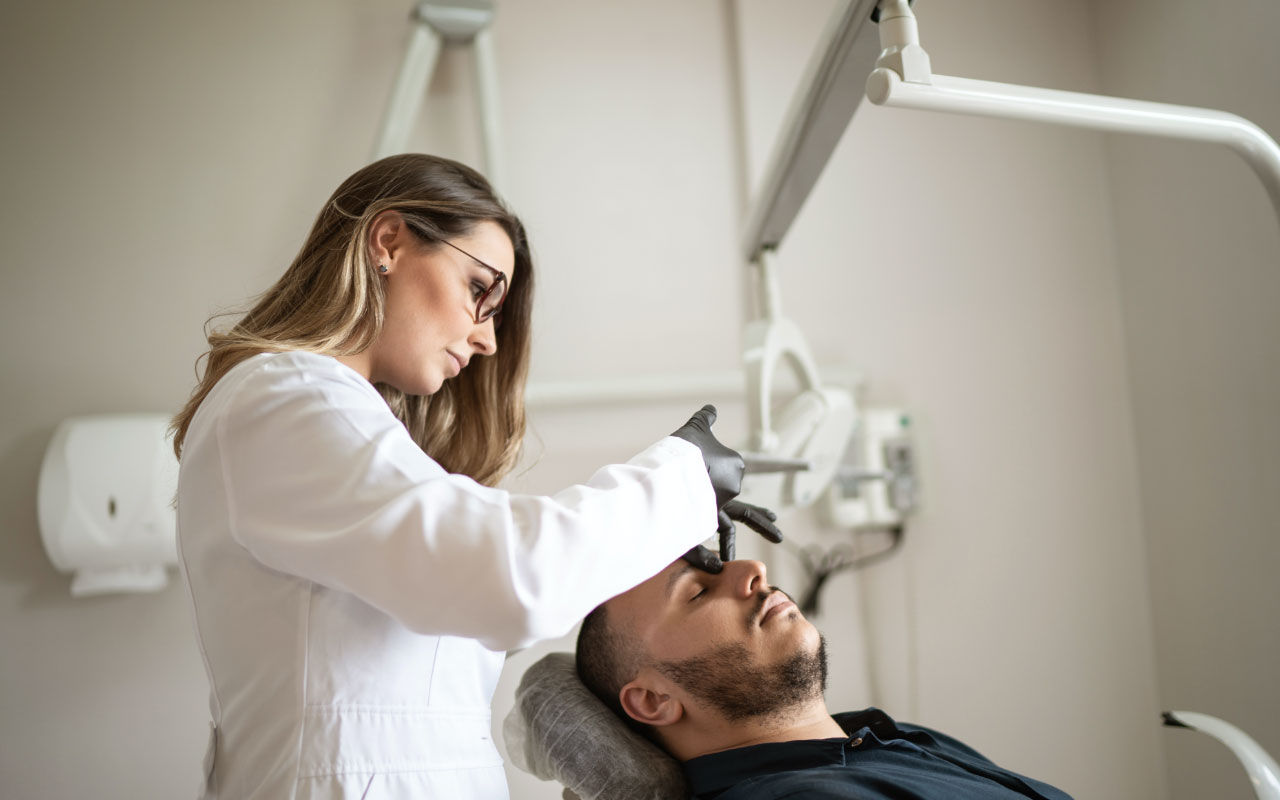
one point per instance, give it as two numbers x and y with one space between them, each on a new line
106 502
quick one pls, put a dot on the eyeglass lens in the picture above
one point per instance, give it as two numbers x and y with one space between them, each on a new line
491 301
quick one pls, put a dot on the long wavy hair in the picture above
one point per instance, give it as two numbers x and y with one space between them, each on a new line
330 300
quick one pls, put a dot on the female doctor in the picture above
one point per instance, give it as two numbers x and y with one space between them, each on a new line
353 574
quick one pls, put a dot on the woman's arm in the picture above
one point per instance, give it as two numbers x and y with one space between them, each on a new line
323 482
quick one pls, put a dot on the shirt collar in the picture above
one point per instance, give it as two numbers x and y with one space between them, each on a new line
713 773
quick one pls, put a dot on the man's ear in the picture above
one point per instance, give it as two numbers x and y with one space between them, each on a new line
651 703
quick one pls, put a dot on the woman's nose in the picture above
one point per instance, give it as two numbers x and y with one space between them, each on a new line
748 577
484 338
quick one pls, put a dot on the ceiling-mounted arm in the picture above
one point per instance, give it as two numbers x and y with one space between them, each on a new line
814 426
829 93
486 71
985 98
436 23
911 85
835 82
419 62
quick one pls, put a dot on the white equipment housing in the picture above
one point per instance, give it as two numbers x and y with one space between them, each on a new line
105 502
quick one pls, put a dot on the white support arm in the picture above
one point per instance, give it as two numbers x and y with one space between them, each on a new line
985 98
829 93
486 72
410 88
902 78
1263 771
435 23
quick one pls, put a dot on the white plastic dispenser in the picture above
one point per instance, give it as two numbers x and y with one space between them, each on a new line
106 502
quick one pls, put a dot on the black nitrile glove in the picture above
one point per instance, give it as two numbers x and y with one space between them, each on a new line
757 518
724 466
704 559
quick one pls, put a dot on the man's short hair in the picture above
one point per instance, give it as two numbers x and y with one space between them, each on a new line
606 659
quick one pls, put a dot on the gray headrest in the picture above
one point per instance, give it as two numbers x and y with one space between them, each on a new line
560 731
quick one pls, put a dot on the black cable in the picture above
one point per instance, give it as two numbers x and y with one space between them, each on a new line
822 565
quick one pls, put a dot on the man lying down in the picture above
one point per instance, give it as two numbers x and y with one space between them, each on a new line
725 674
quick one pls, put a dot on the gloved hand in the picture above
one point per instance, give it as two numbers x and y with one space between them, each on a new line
704 559
724 466
757 518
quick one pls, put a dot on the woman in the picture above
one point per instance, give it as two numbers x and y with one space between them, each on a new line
353 575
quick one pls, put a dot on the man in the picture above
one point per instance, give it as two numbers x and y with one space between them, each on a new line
726 675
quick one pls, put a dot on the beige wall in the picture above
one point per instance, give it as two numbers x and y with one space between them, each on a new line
163 160
1199 267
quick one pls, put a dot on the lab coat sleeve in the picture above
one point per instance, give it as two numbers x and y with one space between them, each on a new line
324 483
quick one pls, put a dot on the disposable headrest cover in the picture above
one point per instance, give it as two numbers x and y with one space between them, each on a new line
559 731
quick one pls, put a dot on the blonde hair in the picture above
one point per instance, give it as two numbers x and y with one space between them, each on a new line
330 300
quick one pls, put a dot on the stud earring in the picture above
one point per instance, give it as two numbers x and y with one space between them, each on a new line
382 268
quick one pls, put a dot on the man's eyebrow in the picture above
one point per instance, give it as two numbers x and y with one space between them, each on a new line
685 569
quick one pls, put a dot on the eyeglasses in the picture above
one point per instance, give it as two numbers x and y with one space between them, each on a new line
488 299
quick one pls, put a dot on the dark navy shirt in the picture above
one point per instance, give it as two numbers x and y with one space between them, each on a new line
879 759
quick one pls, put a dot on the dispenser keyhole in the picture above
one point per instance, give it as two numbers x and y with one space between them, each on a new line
111 507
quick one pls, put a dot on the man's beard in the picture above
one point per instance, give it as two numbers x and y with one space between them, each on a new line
729 679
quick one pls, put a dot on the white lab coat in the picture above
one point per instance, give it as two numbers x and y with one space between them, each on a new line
352 599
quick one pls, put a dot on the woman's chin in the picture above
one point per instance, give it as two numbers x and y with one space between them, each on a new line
419 385
430 386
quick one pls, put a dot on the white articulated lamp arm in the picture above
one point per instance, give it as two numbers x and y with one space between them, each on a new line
828 95
911 86
1118 115
812 428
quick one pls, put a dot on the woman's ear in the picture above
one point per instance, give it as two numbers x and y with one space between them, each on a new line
645 701
386 237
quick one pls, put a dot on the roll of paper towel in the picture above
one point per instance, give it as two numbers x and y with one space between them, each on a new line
106 502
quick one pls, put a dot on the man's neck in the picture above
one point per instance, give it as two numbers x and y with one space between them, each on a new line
812 721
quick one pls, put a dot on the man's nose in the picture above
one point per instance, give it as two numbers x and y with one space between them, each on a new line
748 577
